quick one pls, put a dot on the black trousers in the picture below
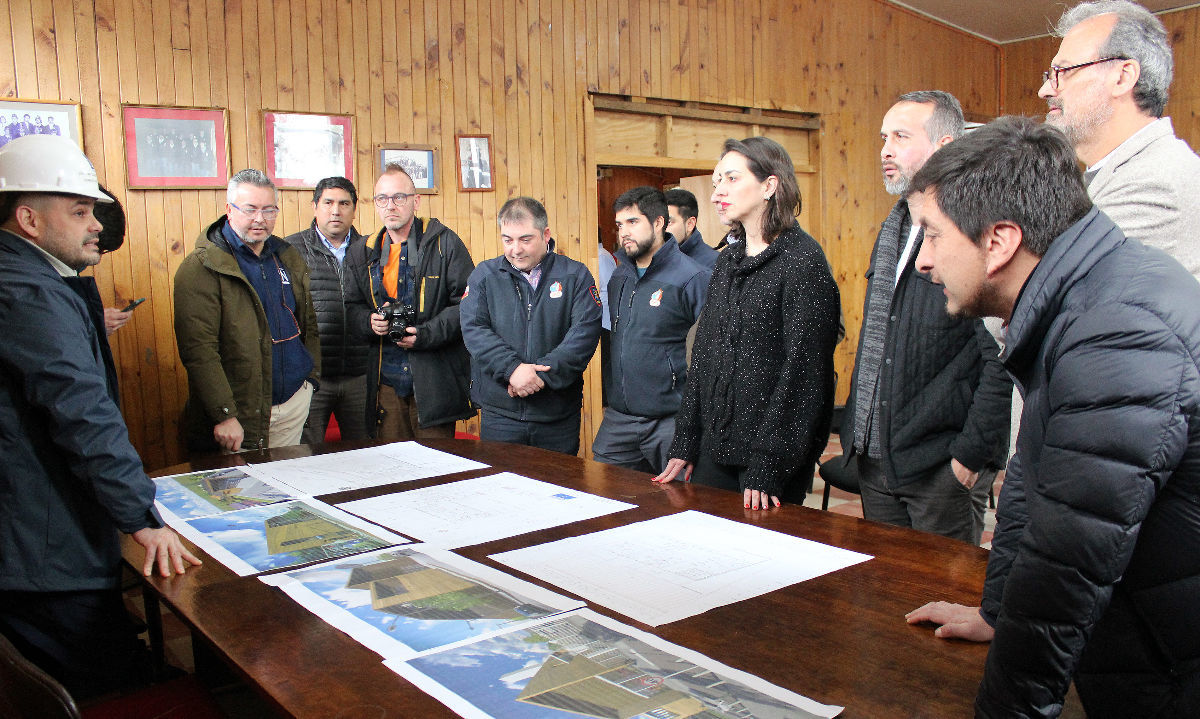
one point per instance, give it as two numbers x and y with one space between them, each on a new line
84 639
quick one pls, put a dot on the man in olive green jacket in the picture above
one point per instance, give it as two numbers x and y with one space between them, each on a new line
246 328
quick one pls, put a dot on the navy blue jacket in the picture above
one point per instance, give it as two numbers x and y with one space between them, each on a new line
1096 556
69 478
696 248
650 319
505 323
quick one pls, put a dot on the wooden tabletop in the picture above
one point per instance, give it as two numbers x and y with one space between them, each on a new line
838 639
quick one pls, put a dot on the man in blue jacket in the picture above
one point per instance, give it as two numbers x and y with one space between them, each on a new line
682 212
70 479
531 320
655 297
1095 563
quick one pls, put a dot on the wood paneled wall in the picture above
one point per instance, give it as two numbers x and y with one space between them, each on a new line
422 70
1025 61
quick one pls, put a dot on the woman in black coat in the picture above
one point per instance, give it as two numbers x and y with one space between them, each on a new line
756 411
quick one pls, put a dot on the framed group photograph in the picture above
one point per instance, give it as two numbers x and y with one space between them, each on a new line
39 117
175 147
304 148
474 163
419 161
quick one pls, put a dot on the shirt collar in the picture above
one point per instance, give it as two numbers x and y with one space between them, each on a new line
59 266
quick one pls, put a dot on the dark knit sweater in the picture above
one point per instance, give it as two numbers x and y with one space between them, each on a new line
760 388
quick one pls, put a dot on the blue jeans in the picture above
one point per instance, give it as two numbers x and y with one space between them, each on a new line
558 436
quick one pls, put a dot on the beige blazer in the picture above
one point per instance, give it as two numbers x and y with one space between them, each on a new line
1150 187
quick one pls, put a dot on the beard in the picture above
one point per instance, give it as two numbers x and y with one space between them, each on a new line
640 249
899 184
1080 128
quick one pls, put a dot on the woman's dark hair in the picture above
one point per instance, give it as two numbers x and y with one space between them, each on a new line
765 157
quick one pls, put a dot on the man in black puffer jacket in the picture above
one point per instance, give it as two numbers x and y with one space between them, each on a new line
324 245
1095 565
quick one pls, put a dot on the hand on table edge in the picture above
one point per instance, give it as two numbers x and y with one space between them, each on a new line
164 548
671 472
957 621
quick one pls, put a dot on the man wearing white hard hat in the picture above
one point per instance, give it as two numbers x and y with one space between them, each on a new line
70 479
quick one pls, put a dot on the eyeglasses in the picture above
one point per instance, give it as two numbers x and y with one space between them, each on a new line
1054 74
268 213
399 198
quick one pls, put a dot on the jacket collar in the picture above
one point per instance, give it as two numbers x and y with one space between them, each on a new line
1071 256
691 242
28 249
744 265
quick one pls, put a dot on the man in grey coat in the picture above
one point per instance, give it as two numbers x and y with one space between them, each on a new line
1107 90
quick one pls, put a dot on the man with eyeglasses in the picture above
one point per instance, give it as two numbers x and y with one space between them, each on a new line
246 328
1107 90
344 351
414 271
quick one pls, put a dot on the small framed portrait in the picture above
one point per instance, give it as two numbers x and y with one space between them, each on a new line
419 161
304 148
182 148
474 163
39 117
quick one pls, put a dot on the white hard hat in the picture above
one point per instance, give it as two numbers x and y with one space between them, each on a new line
48 163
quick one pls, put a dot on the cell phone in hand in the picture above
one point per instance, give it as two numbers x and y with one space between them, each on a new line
133 305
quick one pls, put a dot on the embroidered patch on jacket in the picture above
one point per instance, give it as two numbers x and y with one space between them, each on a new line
596 297
466 291
283 276
556 290
656 298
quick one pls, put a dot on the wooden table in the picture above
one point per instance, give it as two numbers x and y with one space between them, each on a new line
838 639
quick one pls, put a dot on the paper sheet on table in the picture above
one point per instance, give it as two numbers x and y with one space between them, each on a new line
403 601
205 493
286 534
677 566
594 664
362 468
479 510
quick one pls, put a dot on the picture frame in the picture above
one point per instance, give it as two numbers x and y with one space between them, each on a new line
420 161
20 117
303 148
175 148
474 163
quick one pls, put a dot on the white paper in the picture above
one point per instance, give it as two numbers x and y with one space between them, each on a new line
242 540
362 468
404 601
473 511
677 566
586 656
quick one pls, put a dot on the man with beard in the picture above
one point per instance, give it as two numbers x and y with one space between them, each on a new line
1095 563
926 423
1107 90
655 296
70 478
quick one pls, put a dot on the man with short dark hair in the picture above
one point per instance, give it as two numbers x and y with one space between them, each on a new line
245 326
343 392
70 478
653 303
926 423
531 320
419 377
1107 90
1096 557
682 211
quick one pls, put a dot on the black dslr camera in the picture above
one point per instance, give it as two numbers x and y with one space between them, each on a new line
399 317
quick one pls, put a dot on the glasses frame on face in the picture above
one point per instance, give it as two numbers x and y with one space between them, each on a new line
1055 73
268 213
382 201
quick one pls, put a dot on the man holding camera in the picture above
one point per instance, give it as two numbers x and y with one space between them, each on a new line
413 276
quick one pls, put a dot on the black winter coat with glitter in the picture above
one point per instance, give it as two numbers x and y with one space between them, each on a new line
760 388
